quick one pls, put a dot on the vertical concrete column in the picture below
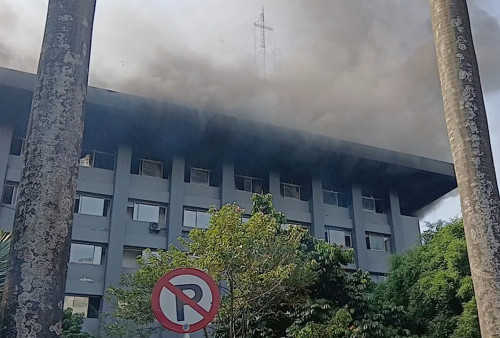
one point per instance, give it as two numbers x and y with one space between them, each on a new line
274 188
397 239
318 209
5 139
359 228
227 189
119 220
176 206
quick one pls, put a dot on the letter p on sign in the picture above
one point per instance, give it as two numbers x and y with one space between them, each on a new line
185 300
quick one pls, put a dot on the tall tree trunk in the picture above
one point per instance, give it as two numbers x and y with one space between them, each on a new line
470 145
34 290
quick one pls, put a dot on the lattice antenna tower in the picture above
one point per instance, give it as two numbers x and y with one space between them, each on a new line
260 52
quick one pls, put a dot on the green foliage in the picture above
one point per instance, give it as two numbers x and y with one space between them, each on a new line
5 238
433 285
274 282
72 325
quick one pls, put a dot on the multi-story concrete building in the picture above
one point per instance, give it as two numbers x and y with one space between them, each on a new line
150 170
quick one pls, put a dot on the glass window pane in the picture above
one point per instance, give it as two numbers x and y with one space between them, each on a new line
239 183
9 193
379 206
291 191
129 259
97 255
151 168
94 306
377 242
91 206
189 218
199 176
248 184
330 197
104 161
16 146
257 186
202 219
368 204
337 237
82 253
146 212
78 304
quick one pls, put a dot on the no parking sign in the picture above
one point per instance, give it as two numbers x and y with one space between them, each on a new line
185 300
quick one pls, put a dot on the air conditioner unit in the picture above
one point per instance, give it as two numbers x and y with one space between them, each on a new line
153 227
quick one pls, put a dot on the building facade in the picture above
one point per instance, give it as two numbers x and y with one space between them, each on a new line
150 170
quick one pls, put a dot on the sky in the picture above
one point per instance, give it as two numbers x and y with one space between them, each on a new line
363 70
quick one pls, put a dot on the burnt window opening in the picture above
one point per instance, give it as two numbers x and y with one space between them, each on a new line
97 159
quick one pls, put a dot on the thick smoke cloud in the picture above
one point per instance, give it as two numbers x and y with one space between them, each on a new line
357 70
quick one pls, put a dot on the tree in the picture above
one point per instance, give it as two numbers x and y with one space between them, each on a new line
470 144
34 287
275 282
72 325
433 284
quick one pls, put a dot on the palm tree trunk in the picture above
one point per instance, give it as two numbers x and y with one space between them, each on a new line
470 145
34 289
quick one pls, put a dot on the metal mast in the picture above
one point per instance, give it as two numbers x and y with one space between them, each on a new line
261 55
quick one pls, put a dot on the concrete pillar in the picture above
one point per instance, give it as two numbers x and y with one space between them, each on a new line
274 188
119 219
397 239
318 209
227 189
176 206
5 139
359 228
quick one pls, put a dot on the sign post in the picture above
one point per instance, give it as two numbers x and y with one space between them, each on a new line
185 300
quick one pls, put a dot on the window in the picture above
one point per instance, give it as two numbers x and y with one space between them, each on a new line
378 278
90 205
86 254
129 259
130 255
339 237
151 168
196 218
250 184
290 190
373 204
17 146
88 306
10 193
378 242
146 212
97 159
334 198
200 176
304 226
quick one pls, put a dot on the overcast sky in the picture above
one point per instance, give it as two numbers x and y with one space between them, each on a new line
361 70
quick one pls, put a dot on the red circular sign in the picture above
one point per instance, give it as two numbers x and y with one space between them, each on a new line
191 313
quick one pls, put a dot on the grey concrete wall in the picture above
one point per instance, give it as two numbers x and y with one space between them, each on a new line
96 180
85 279
274 189
359 232
137 234
14 168
89 228
394 216
411 231
228 189
176 200
318 210
118 220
